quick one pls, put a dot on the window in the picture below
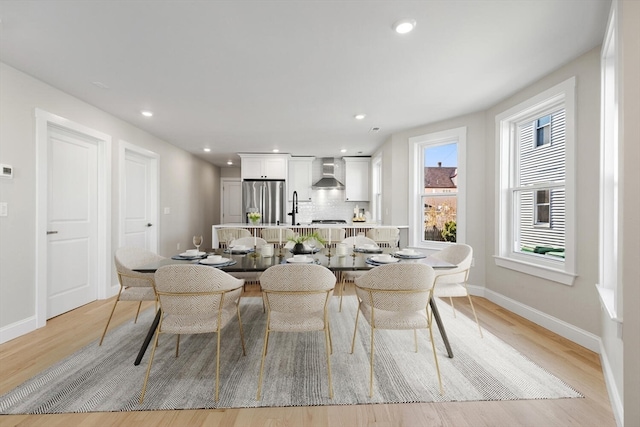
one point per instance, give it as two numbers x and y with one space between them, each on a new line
437 188
608 289
535 221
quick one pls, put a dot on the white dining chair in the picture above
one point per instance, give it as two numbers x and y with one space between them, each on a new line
452 283
396 296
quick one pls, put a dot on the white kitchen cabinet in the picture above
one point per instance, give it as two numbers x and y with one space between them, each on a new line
263 166
300 178
356 182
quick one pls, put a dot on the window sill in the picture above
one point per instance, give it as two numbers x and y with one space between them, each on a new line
544 272
607 300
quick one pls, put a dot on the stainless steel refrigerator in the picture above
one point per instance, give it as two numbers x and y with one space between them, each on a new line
266 197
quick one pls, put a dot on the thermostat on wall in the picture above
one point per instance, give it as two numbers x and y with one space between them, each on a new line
6 171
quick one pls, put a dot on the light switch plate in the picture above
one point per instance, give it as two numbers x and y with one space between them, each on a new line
4 210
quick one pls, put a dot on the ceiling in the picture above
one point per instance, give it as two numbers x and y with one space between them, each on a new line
252 76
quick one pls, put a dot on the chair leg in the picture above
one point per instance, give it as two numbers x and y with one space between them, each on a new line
371 364
452 307
244 352
109 320
177 344
342 284
433 347
137 312
264 353
353 341
475 315
146 377
218 364
415 339
327 339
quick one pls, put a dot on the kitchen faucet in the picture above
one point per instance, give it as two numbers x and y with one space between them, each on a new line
294 208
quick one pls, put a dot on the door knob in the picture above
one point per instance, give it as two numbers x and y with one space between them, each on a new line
149 224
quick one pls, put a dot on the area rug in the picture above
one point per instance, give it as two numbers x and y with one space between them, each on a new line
105 378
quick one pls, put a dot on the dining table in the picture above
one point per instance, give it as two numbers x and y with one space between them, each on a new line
251 260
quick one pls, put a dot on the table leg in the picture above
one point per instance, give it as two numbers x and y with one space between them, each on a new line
443 333
147 340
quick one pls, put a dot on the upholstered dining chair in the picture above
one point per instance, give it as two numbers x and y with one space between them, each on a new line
277 236
195 299
297 298
335 235
225 235
134 286
453 282
396 296
351 276
249 276
385 236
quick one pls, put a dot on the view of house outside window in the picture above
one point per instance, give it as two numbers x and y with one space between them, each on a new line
440 197
539 185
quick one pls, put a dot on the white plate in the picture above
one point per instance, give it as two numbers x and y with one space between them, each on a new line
384 260
192 255
404 253
240 248
206 261
306 260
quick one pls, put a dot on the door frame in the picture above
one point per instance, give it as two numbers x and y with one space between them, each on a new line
153 157
45 119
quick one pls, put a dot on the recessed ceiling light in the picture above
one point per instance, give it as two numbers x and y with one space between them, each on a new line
206 150
360 116
275 150
147 113
404 26
344 150
229 162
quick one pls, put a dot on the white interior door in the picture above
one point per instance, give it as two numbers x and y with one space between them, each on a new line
139 199
231 201
71 221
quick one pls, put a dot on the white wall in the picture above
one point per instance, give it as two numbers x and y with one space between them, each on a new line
188 185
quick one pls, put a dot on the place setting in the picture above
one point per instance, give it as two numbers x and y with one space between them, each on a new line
368 248
301 259
408 254
381 259
217 261
235 249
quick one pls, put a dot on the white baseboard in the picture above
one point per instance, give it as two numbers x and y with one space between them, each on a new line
560 327
14 330
617 405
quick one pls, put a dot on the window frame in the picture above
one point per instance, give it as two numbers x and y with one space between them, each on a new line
417 144
564 272
537 205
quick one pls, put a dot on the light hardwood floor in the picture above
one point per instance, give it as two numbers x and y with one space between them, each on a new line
26 356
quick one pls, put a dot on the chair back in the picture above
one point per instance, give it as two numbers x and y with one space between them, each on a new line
297 288
195 290
277 235
250 241
396 287
458 254
225 235
385 236
358 241
127 258
337 234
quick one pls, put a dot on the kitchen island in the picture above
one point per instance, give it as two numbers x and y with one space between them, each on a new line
351 229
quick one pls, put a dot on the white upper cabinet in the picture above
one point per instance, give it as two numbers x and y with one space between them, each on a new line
300 178
356 180
263 166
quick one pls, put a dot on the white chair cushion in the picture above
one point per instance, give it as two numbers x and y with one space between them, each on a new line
445 290
137 293
396 319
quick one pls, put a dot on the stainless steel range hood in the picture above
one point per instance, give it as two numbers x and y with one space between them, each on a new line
328 181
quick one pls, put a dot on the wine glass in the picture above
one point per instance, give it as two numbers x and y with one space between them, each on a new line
197 241
312 244
230 244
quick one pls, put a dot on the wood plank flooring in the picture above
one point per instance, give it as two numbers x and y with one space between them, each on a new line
26 356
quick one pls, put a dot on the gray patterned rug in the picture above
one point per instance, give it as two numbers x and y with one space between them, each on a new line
105 379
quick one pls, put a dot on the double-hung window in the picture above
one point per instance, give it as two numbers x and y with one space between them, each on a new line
437 186
536 215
